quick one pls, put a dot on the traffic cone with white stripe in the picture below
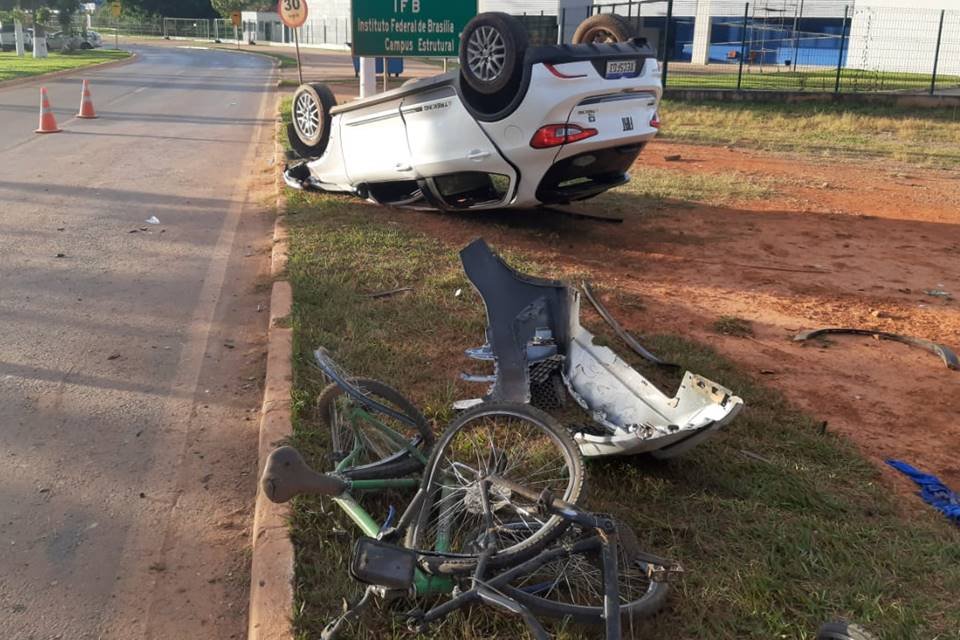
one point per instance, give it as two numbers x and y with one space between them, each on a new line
48 124
86 103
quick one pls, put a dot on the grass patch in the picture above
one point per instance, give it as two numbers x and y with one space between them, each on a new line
922 136
733 326
776 79
772 548
12 66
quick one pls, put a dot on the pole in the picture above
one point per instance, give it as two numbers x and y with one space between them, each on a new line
936 55
843 37
368 76
796 35
236 35
386 73
743 43
116 33
666 44
563 25
296 43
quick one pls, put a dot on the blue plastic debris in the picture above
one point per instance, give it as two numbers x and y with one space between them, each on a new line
932 490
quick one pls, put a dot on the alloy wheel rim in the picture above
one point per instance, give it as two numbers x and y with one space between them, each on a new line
486 53
307 115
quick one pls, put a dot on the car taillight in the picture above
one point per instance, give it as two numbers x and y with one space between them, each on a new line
553 135
655 121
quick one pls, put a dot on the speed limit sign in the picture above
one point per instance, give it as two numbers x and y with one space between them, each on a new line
293 13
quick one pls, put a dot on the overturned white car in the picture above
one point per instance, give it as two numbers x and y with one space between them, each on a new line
515 126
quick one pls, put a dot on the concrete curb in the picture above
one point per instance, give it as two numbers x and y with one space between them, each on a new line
43 77
271 570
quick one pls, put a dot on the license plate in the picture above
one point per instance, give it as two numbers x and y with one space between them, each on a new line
616 68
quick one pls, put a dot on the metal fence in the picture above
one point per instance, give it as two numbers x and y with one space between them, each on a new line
789 45
786 45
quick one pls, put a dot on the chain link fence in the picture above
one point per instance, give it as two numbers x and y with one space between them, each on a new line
783 45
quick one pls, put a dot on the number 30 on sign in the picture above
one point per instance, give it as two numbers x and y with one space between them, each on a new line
293 13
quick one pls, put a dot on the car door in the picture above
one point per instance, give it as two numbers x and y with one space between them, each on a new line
374 142
446 141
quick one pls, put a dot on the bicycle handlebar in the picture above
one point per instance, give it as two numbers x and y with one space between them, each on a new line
287 475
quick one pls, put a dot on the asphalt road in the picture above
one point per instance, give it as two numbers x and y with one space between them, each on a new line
129 352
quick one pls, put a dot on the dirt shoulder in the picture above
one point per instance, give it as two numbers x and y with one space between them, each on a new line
831 244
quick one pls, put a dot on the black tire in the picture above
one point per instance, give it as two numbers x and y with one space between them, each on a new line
310 119
492 49
640 596
604 27
86 45
843 631
396 464
527 427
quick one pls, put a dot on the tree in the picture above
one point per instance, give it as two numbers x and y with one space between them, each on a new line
226 7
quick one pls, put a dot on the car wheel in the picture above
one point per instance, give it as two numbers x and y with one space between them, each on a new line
843 631
86 45
491 52
309 129
604 28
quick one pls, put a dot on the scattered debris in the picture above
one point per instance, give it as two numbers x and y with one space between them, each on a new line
152 220
932 490
534 333
767 372
391 292
937 293
949 357
456 294
61 228
674 157
620 331
113 356
61 255
158 567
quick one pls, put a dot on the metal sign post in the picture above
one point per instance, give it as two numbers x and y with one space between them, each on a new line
293 13
116 8
296 43
235 19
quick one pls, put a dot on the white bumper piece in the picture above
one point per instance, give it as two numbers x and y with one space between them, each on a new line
638 416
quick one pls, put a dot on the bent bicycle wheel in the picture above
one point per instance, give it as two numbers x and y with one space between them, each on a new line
374 445
570 586
515 442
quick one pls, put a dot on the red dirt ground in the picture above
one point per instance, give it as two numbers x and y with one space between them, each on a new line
839 244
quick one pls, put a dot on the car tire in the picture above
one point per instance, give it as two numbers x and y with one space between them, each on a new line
309 128
843 631
86 45
604 28
492 49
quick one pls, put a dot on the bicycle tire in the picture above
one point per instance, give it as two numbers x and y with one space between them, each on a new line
459 563
647 604
400 463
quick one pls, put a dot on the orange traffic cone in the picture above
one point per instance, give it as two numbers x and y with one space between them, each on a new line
48 124
86 103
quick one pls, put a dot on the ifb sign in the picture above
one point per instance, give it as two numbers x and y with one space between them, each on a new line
410 27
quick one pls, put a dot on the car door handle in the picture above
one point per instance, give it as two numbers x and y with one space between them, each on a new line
402 166
477 154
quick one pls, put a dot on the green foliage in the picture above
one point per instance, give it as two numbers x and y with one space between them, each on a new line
226 7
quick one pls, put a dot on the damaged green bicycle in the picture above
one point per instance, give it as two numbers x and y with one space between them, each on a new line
496 492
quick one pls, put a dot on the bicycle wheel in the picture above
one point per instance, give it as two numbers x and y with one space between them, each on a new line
516 442
374 453
571 585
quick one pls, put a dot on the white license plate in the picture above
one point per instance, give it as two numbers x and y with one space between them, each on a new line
621 67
